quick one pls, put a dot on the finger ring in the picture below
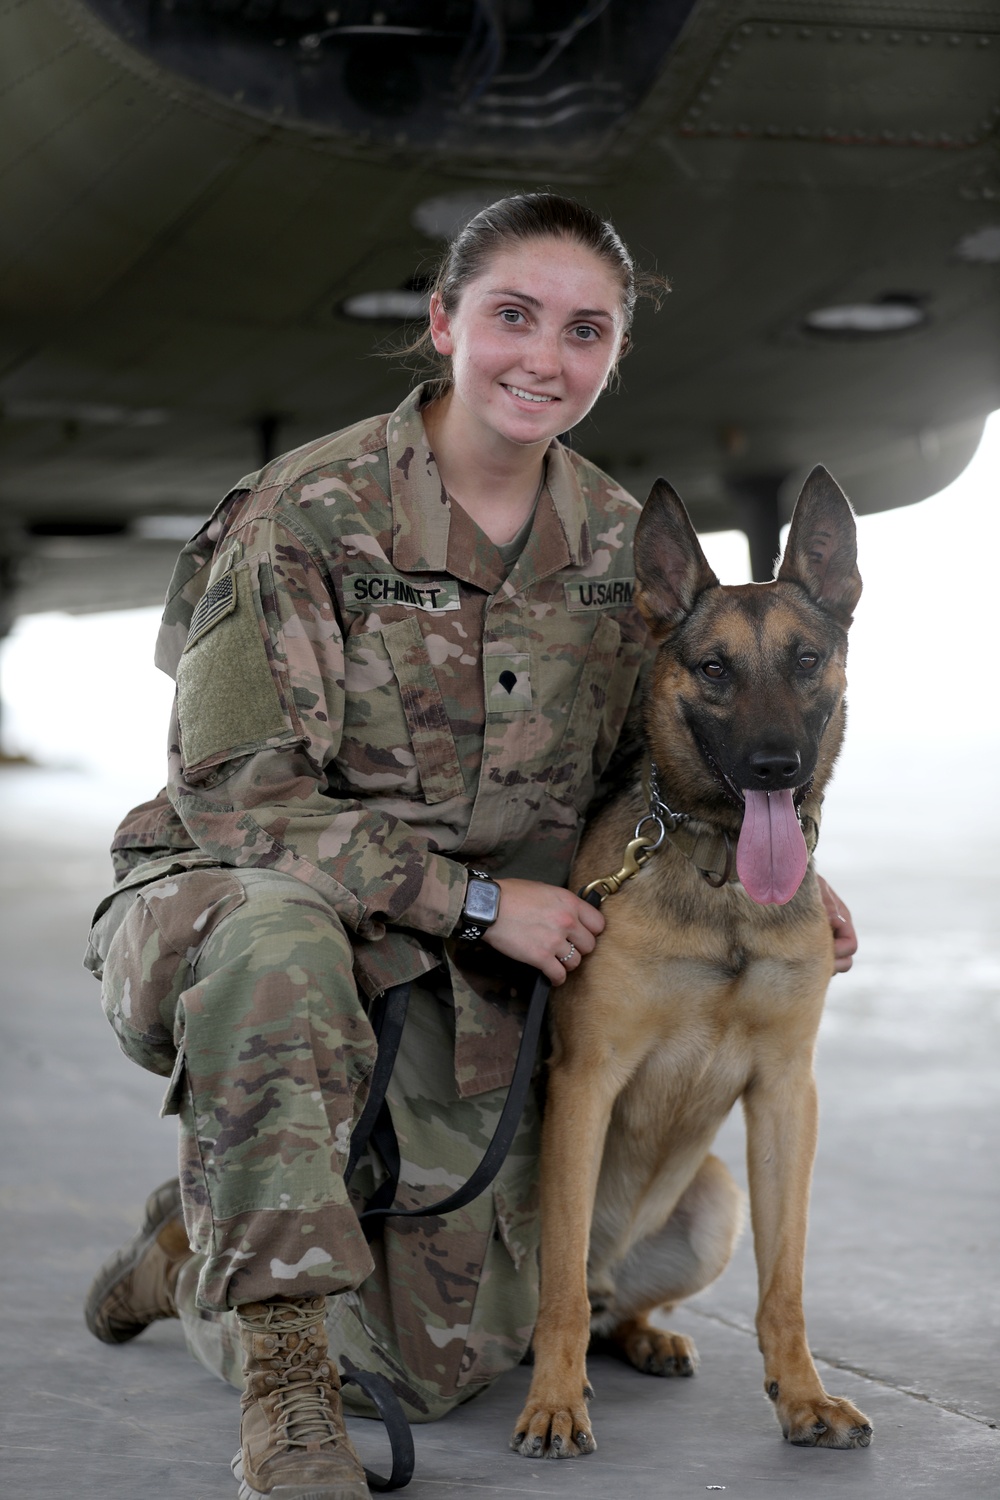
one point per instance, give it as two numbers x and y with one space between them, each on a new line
565 959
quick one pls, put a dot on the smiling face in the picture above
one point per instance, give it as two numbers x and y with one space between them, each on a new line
532 341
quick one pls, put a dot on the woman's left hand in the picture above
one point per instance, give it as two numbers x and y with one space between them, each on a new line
845 939
545 926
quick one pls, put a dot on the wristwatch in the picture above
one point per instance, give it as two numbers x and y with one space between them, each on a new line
481 908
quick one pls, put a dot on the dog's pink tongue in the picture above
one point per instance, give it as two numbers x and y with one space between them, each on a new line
771 856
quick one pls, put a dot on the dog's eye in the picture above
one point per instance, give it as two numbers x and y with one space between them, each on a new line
809 660
713 668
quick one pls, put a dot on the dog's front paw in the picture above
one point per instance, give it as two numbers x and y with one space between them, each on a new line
553 1429
825 1422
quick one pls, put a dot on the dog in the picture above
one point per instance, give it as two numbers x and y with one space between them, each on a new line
707 984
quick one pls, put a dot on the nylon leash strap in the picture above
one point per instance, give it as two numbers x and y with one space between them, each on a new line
375 1128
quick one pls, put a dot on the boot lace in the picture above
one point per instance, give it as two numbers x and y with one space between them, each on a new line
305 1415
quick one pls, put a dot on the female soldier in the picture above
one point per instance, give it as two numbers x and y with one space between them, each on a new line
397 689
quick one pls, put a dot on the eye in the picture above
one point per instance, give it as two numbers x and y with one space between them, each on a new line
587 333
511 315
808 660
713 669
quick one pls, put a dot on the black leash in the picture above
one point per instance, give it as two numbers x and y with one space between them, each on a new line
375 1127
387 1017
386 1403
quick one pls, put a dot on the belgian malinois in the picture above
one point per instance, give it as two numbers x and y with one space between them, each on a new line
706 985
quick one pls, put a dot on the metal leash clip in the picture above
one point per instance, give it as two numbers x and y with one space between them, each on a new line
638 850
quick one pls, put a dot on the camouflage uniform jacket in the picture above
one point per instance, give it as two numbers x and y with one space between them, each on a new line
366 702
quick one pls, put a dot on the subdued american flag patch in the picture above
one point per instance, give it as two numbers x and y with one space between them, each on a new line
219 599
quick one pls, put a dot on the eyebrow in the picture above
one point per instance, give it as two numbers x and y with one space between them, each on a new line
581 312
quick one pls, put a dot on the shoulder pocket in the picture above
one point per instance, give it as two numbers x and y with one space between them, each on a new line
231 694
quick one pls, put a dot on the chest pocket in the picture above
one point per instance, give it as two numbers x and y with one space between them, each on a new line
603 691
427 723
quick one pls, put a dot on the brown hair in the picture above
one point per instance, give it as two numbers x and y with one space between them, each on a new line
530 216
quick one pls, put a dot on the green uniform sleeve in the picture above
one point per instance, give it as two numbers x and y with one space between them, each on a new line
255 736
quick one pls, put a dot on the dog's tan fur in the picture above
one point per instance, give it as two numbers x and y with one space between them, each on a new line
695 998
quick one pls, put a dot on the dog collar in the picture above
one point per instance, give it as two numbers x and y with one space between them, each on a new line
710 850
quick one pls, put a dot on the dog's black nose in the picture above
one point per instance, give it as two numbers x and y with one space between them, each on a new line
774 770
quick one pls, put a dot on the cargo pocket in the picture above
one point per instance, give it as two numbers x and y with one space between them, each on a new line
174 1093
232 691
506 1305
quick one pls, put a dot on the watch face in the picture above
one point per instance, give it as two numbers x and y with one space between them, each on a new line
482 901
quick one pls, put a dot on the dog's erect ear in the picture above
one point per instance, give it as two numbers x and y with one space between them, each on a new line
822 549
670 568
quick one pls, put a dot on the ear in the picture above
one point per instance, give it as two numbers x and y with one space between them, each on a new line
670 568
822 551
440 325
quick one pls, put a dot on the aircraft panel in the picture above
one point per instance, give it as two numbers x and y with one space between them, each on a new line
177 263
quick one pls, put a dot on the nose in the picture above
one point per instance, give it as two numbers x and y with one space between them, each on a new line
774 770
542 357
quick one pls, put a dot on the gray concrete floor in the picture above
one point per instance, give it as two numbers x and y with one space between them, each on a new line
902 1270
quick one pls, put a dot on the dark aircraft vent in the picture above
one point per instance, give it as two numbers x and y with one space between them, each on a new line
509 79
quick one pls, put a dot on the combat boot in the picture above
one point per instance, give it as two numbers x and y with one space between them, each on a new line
293 1444
135 1286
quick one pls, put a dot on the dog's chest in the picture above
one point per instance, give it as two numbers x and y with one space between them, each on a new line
699 1022
732 992
716 951
704 1040
683 1089
733 961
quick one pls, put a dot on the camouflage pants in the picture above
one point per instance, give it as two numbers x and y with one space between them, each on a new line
240 987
